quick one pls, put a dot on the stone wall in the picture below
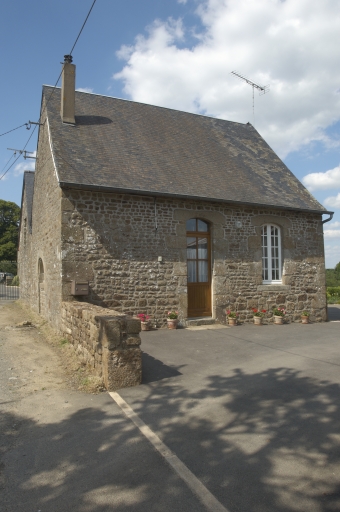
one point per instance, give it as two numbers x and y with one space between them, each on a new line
114 241
25 270
106 340
39 256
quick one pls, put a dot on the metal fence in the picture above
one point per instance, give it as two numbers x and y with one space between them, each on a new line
9 292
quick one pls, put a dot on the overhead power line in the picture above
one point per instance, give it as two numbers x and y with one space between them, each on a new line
82 27
2 170
28 127
38 124
17 158
73 47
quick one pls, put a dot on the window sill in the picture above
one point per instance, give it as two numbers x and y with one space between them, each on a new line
277 287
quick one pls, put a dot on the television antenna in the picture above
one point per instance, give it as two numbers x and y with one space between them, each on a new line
261 88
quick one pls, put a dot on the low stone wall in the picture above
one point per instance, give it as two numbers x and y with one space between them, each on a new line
105 339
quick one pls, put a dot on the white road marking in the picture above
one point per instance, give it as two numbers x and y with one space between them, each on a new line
205 496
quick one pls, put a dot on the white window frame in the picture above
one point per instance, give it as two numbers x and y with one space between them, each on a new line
272 258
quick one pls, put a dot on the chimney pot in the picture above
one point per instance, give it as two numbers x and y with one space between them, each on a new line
68 59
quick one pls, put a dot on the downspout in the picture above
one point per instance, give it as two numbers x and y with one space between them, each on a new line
155 207
323 222
330 218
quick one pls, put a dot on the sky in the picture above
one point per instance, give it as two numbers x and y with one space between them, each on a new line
180 54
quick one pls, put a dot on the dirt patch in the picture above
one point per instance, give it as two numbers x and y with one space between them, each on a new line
41 359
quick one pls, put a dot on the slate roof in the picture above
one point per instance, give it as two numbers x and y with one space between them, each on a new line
28 186
125 146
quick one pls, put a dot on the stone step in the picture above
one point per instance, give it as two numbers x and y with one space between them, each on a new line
194 322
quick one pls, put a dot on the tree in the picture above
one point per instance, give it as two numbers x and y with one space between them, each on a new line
333 276
9 230
337 271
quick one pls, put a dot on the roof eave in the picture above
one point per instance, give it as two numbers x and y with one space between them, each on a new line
149 193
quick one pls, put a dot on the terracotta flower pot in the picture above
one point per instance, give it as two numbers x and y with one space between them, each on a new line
278 320
304 319
258 320
146 326
172 323
232 321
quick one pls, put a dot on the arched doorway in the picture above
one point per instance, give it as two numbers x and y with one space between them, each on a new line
199 268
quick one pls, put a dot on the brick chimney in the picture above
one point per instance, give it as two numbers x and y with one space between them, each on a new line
68 87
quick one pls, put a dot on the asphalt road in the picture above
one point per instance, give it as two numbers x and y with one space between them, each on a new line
253 413
63 450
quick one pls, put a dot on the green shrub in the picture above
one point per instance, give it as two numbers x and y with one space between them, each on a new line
15 281
8 266
333 276
333 290
333 295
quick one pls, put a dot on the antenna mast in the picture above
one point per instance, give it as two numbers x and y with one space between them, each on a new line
262 89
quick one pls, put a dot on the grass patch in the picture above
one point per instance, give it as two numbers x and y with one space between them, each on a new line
77 374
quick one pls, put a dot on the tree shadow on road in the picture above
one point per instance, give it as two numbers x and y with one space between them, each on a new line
259 442
92 460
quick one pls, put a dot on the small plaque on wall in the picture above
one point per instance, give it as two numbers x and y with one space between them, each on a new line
79 287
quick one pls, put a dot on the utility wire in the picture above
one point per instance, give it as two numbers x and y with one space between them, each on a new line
10 167
88 14
17 128
73 47
7 162
82 26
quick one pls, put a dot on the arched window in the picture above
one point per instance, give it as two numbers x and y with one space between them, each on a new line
41 271
25 230
271 254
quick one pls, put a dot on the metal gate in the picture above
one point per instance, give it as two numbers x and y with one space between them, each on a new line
9 292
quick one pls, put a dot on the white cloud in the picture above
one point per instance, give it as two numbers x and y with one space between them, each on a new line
333 225
27 165
333 201
323 180
332 255
84 89
292 46
332 233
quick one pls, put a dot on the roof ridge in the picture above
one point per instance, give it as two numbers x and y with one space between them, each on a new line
123 144
156 106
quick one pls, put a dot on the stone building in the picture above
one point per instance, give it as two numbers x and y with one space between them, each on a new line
159 209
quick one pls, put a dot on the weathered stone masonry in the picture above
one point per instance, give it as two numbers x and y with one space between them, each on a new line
42 290
107 341
132 248
114 240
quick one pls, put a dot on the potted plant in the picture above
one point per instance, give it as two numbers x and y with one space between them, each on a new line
172 319
305 317
232 317
144 321
279 314
258 316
